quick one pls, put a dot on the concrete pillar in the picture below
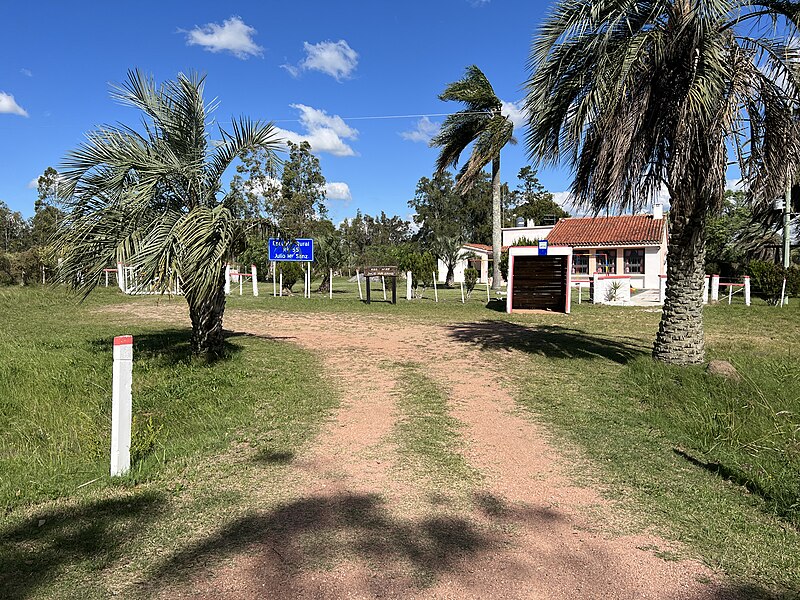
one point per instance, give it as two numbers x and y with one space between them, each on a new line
715 288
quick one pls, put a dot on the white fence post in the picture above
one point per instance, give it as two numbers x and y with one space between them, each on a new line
240 275
409 286
280 287
715 288
358 280
462 292
383 285
330 285
488 299
227 280
274 280
435 291
121 406
596 293
747 290
120 277
254 277
705 289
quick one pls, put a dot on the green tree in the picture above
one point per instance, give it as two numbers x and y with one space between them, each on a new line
47 213
302 193
448 250
532 201
635 96
328 255
152 199
15 235
483 125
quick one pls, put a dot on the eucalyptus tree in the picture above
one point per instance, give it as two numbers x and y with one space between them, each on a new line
152 198
640 95
481 124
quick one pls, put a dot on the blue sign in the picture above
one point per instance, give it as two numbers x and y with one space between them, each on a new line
542 247
300 250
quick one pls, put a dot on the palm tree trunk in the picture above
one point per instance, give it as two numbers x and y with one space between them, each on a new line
450 280
680 339
497 232
206 315
325 284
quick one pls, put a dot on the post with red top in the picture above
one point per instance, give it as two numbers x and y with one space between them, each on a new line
715 288
121 406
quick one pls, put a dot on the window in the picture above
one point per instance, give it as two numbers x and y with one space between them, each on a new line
607 262
634 261
580 262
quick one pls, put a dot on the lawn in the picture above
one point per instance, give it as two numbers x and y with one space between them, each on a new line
709 462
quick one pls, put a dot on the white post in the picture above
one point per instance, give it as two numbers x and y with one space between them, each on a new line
730 293
358 280
308 264
747 290
254 277
121 406
435 291
705 289
227 280
715 288
409 286
662 288
280 287
462 291
274 281
43 281
241 278
330 285
120 277
104 273
383 285
597 296
783 292
487 290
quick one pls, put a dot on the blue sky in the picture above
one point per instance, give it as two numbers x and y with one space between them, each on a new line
309 66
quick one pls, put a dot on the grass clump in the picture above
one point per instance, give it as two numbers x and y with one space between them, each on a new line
427 435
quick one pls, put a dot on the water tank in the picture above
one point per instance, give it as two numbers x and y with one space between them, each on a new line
520 222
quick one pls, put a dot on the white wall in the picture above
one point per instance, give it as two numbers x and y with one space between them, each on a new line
461 265
653 267
512 234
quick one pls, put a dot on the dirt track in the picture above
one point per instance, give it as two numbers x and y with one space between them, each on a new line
360 527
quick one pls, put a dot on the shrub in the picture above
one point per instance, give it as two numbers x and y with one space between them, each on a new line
422 267
470 279
767 280
292 272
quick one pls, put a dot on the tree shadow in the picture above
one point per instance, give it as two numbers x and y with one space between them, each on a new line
268 456
168 347
323 529
36 551
551 341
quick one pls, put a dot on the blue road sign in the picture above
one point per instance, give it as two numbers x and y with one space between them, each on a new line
542 247
300 250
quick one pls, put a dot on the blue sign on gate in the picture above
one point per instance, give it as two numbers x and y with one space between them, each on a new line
542 247
300 250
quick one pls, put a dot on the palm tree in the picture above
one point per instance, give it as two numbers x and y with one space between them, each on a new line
152 199
448 250
640 95
483 125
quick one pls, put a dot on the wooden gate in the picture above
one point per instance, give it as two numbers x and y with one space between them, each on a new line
540 282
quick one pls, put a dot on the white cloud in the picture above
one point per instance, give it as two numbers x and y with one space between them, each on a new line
33 183
26 72
324 132
424 131
338 190
515 113
233 36
734 185
10 106
566 201
336 59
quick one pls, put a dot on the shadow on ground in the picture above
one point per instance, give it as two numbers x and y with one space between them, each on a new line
551 341
320 531
167 347
36 551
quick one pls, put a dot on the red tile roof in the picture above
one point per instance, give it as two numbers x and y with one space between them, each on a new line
483 247
607 231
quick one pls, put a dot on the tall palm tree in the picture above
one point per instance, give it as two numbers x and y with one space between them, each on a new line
640 95
151 199
483 125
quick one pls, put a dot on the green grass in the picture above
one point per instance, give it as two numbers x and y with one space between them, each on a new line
55 389
428 437
705 461
211 442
